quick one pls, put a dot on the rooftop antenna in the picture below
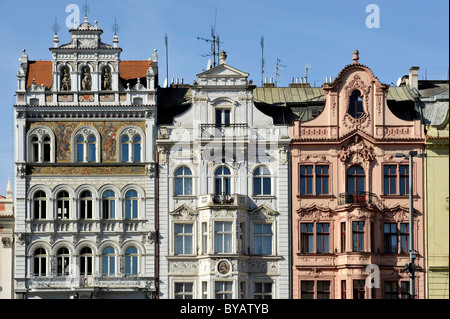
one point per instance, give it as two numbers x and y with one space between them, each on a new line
262 61
214 40
55 26
166 43
115 28
307 69
86 9
277 68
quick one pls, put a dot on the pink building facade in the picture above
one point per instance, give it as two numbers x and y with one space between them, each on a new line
350 198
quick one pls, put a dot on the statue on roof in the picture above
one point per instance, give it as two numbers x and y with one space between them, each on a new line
86 81
65 82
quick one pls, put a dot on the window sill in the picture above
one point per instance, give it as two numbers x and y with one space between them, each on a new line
263 196
329 196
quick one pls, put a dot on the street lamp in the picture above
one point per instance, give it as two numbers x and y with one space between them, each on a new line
412 255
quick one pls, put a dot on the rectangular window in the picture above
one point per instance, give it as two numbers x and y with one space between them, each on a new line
358 236
204 290
262 239
390 290
242 244
80 152
322 178
404 290
223 290
306 237
307 290
323 234
242 290
358 289
306 179
183 239
262 290
223 117
343 237
184 290
223 234
404 238
343 289
390 179
404 179
91 152
323 289
204 238
125 152
390 238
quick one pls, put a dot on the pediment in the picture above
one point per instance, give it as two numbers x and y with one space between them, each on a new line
264 212
223 70
184 212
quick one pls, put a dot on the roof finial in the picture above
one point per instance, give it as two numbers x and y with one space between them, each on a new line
355 57
223 57
86 10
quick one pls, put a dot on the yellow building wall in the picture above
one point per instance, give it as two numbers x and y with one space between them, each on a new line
437 219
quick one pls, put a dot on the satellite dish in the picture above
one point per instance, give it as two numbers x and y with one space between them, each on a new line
399 81
208 66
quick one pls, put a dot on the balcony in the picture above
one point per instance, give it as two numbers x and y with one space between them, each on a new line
360 198
211 131
223 200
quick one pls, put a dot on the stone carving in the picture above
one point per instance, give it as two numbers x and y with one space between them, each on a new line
86 82
358 147
21 170
107 80
184 213
7 242
65 82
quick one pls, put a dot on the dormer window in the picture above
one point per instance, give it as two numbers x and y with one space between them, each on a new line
355 108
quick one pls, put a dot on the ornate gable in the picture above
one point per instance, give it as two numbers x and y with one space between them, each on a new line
184 212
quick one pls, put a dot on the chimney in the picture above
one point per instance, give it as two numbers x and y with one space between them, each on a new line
414 77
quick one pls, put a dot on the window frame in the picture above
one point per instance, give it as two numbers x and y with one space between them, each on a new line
358 232
401 179
309 238
224 234
183 294
184 235
86 205
225 181
39 205
263 294
109 211
40 262
131 204
109 267
262 235
132 262
314 177
185 178
228 294
62 262
264 178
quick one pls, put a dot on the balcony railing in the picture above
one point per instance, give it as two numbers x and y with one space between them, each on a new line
222 199
224 130
360 198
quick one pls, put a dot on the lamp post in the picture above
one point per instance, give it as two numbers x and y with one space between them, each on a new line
412 255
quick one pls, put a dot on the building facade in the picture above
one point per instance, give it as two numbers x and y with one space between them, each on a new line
85 184
223 193
6 243
350 193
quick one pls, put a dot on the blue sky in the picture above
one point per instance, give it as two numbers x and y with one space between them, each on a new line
322 34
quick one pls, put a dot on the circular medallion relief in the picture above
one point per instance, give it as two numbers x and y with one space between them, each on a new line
223 267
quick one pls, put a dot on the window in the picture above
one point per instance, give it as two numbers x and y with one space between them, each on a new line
323 290
109 261
223 234
47 149
358 289
404 238
131 261
391 290
40 146
392 174
222 181
262 239
343 237
86 148
131 204
184 290
62 262
390 238
184 236
80 149
40 262
109 205
204 290
343 289
223 289
307 290
62 205
86 261
183 181
321 233
358 236
356 179
262 290
86 205
355 108
242 241
404 290
314 178
131 148
223 117
91 148
40 205
262 181
35 149
205 238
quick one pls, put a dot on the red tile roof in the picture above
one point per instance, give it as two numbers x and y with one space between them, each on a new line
134 69
41 71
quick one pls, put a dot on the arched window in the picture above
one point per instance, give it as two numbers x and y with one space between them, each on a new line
86 261
125 148
109 261
131 204
131 261
109 205
356 179
41 142
40 205
35 149
355 108
92 148
40 262
262 181
137 149
86 205
183 181
47 149
222 181
131 148
62 261
80 149
62 205
86 145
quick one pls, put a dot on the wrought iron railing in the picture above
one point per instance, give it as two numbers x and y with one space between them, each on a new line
360 198
223 199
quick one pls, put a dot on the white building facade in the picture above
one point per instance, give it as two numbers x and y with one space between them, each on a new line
223 195
85 183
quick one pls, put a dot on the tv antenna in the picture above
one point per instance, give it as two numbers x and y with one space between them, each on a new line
277 68
86 9
166 43
262 61
214 40
307 70
55 26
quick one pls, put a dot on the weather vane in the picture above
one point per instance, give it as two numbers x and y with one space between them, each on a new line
86 8
55 26
115 27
